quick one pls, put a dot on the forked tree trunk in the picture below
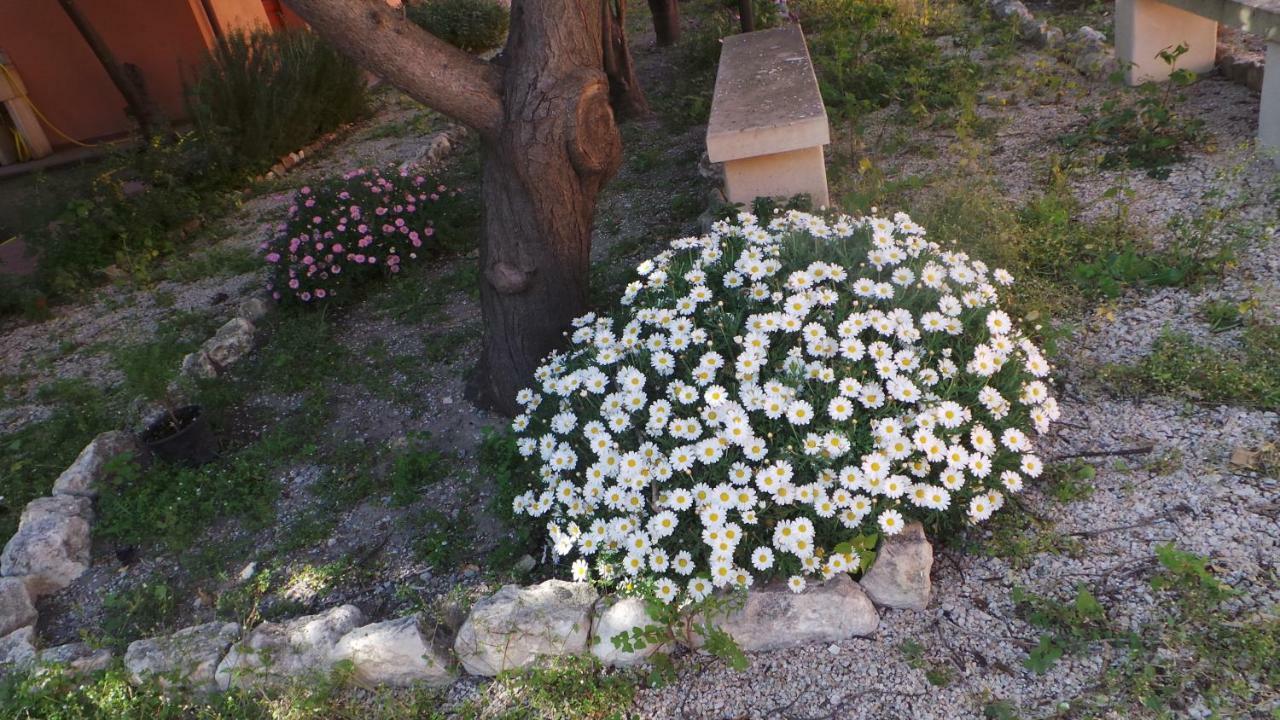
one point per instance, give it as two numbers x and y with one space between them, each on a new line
556 146
550 143
666 21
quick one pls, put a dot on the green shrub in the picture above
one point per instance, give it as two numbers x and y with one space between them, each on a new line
472 25
870 54
260 96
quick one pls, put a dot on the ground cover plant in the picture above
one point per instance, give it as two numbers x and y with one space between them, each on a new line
849 377
346 232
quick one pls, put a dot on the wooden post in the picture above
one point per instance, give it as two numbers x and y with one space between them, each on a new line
14 95
747 15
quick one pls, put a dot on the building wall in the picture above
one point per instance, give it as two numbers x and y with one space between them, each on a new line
164 38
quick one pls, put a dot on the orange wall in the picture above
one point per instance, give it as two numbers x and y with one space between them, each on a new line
164 38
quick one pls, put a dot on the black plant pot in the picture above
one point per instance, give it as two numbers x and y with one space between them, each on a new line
191 442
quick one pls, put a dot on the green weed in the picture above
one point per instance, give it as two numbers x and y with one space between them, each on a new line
1176 365
1142 128
138 611
572 688
414 468
1072 626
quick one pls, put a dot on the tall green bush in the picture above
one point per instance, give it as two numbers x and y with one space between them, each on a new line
263 95
472 25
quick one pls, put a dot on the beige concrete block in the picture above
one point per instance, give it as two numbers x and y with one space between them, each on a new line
1145 27
766 98
1257 17
778 175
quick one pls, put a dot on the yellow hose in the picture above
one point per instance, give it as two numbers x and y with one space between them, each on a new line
14 83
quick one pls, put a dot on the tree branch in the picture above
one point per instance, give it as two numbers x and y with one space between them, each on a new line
433 72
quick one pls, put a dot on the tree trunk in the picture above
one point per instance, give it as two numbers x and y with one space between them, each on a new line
666 21
557 146
550 143
624 90
746 16
133 96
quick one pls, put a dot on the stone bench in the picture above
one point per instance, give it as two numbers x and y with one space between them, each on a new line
768 123
1145 27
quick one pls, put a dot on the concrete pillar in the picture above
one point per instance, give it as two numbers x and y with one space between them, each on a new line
1269 116
781 174
1145 27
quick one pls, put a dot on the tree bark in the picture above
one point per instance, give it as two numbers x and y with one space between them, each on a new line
666 21
624 89
549 142
557 147
746 16
132 94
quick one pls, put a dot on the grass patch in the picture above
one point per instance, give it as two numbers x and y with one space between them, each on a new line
416 467
147 608
868 55
172 506
572 687
32 457
1177 365
109 695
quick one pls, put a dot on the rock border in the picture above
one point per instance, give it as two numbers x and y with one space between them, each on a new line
52 546
513 628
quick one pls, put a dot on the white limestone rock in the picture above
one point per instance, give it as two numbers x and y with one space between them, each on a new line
899 578
187 658
233 341
19 647
398 653
278 651
255 307
614 617
51 548
16 608
773 617
515 626
196 365
78 658
84 474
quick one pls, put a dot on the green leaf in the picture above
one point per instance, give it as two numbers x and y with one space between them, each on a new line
1044 655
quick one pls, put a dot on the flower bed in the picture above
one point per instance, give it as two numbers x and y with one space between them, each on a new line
771 398
346 232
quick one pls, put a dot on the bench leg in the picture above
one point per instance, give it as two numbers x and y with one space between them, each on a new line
778 175
1145 27
1269 115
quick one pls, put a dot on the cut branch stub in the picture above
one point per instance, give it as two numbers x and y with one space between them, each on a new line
508 279
594 144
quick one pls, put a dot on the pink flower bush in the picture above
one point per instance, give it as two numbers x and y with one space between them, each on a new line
368 224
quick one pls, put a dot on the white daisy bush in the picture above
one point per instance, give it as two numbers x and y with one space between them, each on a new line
770 392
